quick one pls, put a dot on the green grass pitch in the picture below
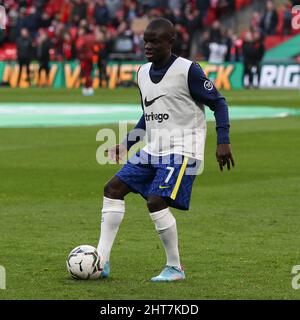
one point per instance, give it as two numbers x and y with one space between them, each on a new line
239 240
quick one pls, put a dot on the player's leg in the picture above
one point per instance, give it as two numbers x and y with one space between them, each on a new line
246 77
165 224
257 75
83 74
28 72
21 64
47 71
100 70
41 67
133 177
171 187
251 76
104 73
112 215
88 77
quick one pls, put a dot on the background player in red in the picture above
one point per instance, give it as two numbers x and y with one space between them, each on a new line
84 46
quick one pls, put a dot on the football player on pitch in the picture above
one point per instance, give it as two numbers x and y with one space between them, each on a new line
173 92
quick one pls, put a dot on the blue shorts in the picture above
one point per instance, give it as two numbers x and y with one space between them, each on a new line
170 177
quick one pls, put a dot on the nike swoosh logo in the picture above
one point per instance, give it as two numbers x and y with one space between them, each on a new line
164 187
150 102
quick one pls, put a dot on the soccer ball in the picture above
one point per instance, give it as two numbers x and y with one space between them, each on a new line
84 263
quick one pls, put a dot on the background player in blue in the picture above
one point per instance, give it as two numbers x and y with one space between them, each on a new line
173 92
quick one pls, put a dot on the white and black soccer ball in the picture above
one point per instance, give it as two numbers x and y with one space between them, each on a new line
84 263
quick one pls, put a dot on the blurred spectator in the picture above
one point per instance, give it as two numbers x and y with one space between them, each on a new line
176 17
181 44
61 17
118 18
33 21
255 21
217 46
84 47
217 52
215 32
12 24
21 21
204 46
113 6
101 13
248 54
24 53
230 6
236 51
68 47
228 36
193 20
79 11
2 36
131 10
269 21
175 4
253 51
224 7
58 38
102 49
45 21
259 53
138 26
123 43
203 6
287 20
43 55
22 3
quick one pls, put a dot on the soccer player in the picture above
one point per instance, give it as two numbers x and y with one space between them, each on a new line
24 54
173 93
84 46
43 56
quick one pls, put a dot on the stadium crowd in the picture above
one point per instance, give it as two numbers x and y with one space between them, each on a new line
55 29
62 21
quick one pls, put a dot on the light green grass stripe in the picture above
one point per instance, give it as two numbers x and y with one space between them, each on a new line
14 115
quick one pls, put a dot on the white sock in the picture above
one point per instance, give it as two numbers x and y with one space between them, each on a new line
165 225
112 215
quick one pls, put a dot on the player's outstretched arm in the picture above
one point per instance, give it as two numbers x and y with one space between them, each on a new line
224 156
203 91
119 151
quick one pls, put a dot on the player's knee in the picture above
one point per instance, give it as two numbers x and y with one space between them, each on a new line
156 203
163 219
110 191
115 189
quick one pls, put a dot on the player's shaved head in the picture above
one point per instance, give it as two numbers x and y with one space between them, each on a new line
162 26
159 37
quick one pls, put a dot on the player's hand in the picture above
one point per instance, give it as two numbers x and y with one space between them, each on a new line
224 156
117 153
